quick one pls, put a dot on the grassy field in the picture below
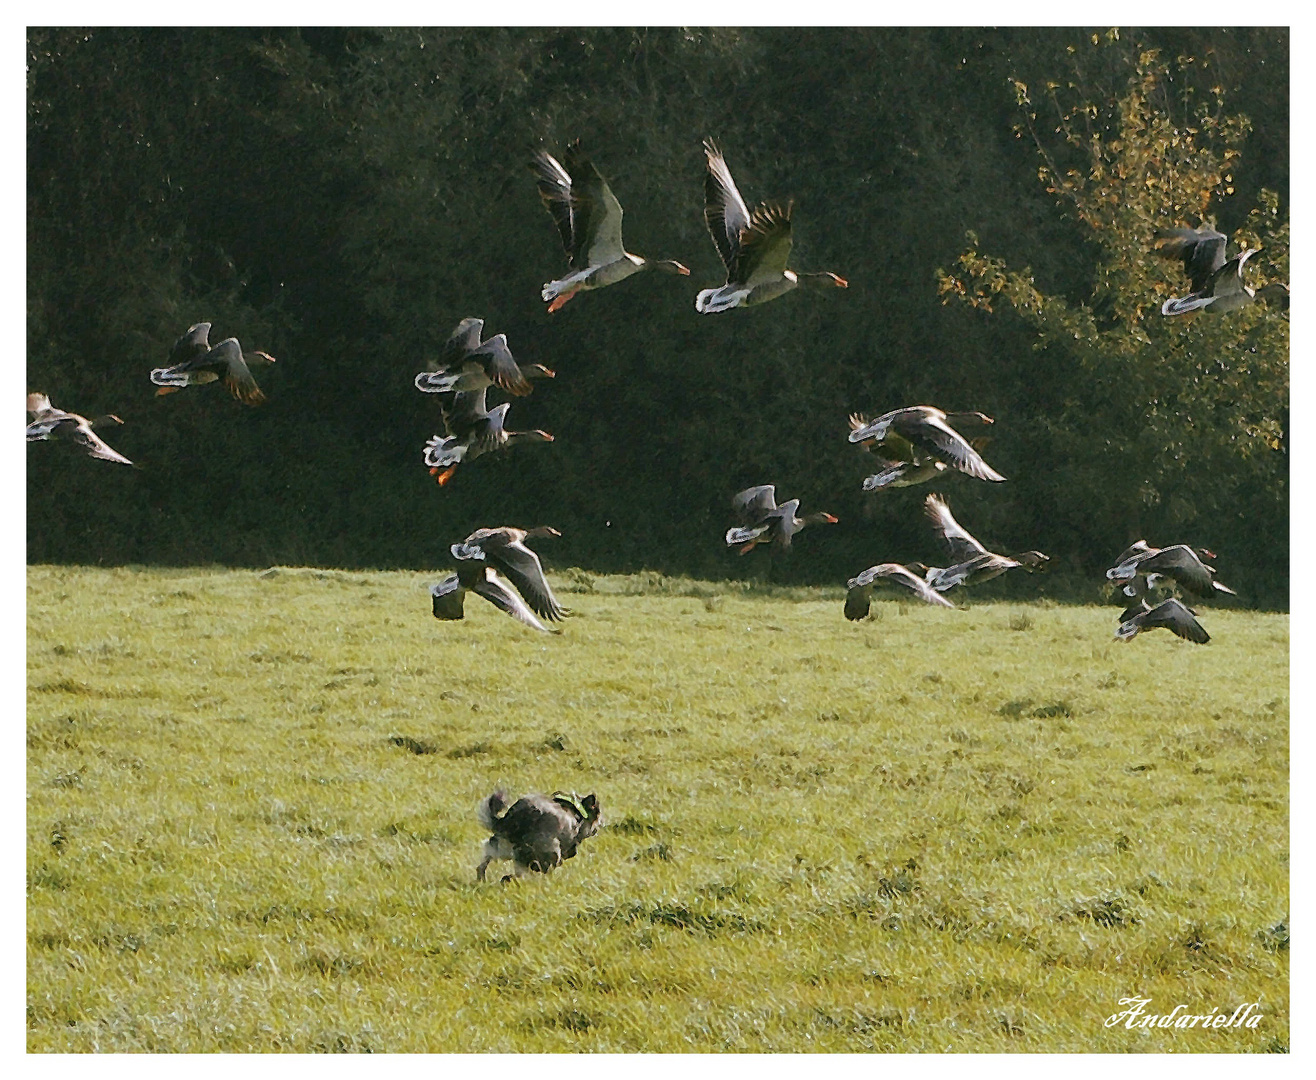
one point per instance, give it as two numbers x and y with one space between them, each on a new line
251 820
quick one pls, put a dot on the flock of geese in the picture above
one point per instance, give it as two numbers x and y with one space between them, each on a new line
912 445
192 362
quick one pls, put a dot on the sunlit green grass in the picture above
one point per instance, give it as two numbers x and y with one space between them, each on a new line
251 820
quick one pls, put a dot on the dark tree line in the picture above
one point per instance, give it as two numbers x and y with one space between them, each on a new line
341 198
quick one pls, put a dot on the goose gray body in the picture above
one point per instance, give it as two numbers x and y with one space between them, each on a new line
762 521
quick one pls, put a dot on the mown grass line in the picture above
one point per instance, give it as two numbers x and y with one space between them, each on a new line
251 820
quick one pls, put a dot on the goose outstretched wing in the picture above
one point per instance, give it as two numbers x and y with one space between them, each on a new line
502 596
725 212
764 246
464 411
754 504
1138 547
1228 280
193 345
38 403
599 232
227 356
1179 619
554 183
1170 614
1182 564
961 544
501 367
955 449
895 574
94 445
1202 252
45 417
461 342
526 572
858 601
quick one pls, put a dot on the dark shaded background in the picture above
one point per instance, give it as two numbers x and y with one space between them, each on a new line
341 198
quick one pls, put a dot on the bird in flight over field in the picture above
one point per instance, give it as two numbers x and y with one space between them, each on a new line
754 246
588 217
193 361
49 422
1217 284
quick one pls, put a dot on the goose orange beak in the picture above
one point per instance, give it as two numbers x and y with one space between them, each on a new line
167 390
559 301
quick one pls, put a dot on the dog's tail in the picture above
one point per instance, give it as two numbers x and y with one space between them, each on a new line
490 810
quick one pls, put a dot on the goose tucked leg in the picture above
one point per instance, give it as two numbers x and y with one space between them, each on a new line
561 299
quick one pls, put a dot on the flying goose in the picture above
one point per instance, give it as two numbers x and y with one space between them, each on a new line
504 548
192 361
859 589
449 595
472 430
919 432
467 363
1170 614
754 246
896 474
1179 563
763 521
48 422
971 563
536 833
588 216
1216 284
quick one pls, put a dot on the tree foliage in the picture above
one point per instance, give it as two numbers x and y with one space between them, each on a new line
1167 427
341 198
